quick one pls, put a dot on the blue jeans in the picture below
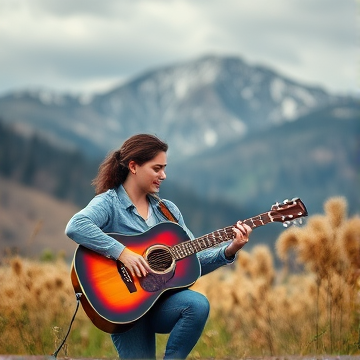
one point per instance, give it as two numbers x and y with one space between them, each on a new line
183 314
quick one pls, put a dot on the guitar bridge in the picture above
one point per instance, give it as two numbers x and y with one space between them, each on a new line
126 277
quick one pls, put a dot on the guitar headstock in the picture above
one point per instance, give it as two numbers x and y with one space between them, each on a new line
288 211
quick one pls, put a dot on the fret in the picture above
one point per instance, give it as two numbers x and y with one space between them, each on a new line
208 241
259 220
279 212
202 243
188 248
217 237
184 249
196 246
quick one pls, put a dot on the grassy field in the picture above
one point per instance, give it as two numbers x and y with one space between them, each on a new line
308 306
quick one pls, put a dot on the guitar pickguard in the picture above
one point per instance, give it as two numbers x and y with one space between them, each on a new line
153 282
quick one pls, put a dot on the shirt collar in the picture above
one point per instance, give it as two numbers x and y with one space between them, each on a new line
127 203
124 198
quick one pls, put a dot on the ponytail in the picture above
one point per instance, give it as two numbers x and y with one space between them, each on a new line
114 170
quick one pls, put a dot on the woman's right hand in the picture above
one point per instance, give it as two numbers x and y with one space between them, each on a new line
134 262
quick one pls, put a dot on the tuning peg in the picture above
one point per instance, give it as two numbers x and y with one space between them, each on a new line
286 224
295 222
275 206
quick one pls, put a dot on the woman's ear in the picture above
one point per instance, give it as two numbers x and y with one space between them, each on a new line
132 167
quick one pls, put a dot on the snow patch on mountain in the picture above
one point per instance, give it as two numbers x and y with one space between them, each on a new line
289 108
211 137
194 105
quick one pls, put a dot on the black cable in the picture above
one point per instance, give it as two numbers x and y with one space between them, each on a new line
78 296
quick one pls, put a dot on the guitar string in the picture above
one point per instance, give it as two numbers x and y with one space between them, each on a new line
213 238
190 247
210 239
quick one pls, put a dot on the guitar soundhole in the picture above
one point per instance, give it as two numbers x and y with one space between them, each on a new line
160 259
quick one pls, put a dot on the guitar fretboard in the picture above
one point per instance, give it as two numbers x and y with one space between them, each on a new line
217 237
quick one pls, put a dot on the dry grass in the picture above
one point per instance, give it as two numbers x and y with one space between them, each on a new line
310 306
315 310
36 304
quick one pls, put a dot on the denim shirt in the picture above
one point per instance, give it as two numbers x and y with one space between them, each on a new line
113 212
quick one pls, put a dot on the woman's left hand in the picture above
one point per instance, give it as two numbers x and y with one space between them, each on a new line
242 232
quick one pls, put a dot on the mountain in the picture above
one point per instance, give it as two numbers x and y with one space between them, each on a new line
314 158
193 105
241 137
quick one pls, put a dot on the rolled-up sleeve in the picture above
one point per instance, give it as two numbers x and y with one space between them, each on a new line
85 228
213 258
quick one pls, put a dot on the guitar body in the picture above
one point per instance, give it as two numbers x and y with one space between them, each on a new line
114 300
108 300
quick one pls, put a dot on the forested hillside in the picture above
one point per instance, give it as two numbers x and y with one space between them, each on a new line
315 157
32 165
32 161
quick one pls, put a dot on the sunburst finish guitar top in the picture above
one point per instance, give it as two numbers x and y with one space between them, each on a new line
114 300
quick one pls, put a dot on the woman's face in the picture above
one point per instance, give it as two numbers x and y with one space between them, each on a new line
150 175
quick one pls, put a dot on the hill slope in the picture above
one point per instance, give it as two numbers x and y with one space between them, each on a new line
314 158
32 221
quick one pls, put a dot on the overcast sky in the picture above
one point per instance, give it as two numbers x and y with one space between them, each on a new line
85 46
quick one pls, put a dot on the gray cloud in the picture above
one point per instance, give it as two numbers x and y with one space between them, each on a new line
88 45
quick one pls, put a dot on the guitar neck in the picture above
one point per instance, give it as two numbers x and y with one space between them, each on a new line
217 237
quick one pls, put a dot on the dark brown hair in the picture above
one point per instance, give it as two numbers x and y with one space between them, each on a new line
114 169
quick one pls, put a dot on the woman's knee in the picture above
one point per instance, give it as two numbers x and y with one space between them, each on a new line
199 304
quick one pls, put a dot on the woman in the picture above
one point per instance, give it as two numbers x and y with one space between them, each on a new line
125 203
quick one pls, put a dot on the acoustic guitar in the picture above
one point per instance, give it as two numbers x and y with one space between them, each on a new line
114 300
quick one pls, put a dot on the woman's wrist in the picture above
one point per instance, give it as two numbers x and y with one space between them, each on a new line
229 255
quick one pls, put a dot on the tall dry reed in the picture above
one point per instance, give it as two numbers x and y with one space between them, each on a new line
37 302
309 306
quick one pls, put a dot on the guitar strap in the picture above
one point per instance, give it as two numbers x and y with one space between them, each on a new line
164 209
166 212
